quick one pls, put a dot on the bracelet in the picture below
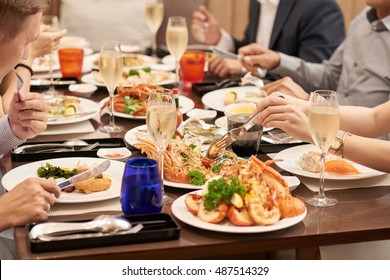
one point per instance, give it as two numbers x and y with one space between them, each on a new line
26 67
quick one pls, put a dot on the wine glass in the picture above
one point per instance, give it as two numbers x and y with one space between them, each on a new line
177 40
51 21
161 123
111 69
154 11
324 122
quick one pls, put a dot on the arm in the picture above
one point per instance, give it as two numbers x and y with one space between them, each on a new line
28 202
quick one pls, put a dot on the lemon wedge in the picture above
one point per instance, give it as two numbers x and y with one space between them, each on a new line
236 200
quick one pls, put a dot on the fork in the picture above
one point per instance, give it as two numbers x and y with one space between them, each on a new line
218 146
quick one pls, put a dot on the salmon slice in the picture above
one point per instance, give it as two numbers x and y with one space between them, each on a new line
341 167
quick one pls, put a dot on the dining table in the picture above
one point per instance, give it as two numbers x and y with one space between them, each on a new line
362 214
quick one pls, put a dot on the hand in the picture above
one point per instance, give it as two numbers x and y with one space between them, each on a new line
256 55
224 67
28 202
285 112
46 42
28 114
204 27
288 86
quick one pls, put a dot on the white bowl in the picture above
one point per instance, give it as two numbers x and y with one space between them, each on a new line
121 154
202 114
239 108
83 90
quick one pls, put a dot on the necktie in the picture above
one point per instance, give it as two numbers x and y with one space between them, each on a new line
379 26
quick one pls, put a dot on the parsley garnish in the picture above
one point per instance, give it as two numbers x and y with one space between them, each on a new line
197 178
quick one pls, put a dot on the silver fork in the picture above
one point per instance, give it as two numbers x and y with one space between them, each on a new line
219 145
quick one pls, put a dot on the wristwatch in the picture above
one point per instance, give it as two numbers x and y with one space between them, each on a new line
337 147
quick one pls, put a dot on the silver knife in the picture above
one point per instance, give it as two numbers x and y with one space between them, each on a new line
57 118
261 71
90 173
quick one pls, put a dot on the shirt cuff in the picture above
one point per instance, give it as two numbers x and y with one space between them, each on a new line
8 140
287 64
226 42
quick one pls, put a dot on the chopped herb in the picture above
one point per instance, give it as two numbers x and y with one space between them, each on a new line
217 167
174 136
197 178
222 191
133 72
147 69
192 146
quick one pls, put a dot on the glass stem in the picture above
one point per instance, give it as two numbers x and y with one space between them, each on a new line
111 108
154 44
161 168
51 87
177 73
321 193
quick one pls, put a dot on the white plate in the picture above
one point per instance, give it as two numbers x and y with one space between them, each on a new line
222 123
40 65
130 48
216 99
180 211
186 105
89 79
86 105
115 171
291 155
125 152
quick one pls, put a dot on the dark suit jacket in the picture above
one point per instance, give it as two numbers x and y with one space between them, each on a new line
309 29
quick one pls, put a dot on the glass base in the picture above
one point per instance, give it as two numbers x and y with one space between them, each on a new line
322 202
111 129
169 198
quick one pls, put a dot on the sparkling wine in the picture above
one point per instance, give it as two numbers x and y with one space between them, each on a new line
177 40
324 123
111 68
161 122
154 15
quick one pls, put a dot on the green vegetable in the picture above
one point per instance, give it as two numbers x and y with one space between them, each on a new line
222 191
131 105
50 171
147 69
192 146
217 167
197 178
133 72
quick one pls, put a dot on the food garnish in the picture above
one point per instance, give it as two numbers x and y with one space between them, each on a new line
50 171
197 178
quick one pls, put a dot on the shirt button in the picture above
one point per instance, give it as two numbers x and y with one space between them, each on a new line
355 64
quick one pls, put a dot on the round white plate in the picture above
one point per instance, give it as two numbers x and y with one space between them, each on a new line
216 99
115 171
40 65
291 155
89 79
130 48
180 211
86 105
148 61
222 123
186 104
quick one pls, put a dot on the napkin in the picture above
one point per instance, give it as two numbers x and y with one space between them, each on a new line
67 209
80 127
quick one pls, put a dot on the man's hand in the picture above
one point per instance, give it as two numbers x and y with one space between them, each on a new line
204 27
256 55
288 86
224 67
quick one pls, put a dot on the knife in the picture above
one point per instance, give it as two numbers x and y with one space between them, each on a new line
44 82
57 118
261 71
90 173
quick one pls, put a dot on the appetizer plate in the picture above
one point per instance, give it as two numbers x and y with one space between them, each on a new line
222 123
86 105
180 211
186 104
89 79
115 171
40 65
216 99
290 157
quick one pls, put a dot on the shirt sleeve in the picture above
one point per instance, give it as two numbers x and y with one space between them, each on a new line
8 140
226 42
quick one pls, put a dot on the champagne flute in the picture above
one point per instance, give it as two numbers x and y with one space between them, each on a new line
324 122
51 21
111 69
177 40
161 123
154 11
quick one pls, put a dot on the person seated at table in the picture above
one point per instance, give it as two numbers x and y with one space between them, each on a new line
30 200
310 30
43 45
355 142
358 70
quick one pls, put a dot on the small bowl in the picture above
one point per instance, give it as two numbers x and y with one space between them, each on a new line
239 108
83 90
202 114
121 154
